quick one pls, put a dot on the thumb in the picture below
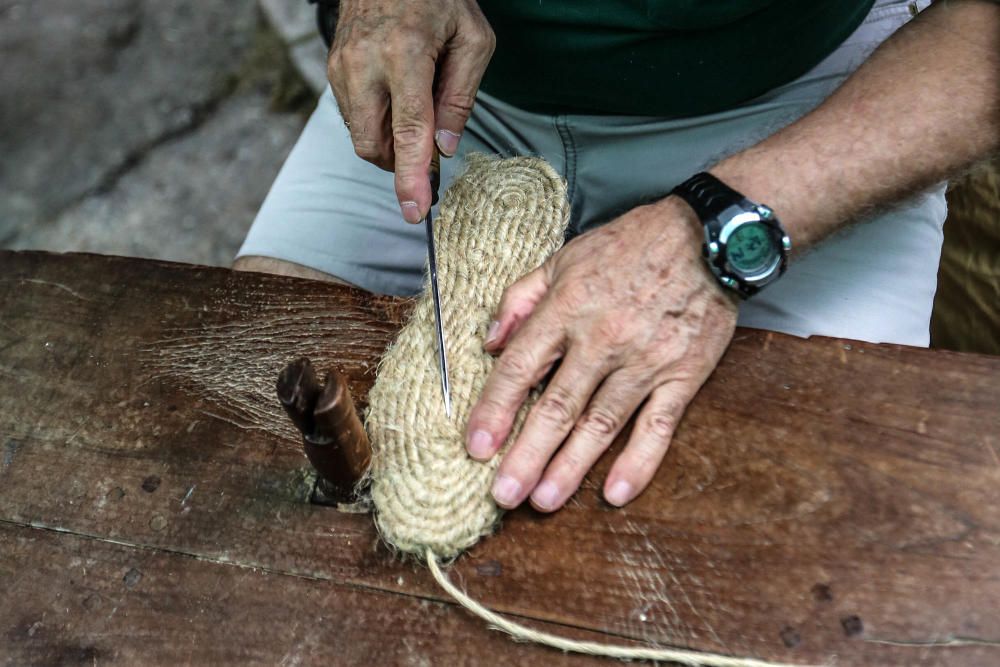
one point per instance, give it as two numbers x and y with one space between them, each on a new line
460 70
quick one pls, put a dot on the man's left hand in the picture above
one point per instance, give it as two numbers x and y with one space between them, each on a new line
636 321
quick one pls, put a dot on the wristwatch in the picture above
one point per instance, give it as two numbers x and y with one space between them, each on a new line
745 245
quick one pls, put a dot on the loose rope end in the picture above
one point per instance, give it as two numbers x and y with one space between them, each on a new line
522 633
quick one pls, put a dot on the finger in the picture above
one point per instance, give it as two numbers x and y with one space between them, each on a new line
615 401
650 439
410 88
516 305
459 72
363 101
335 70
522 365
338 86
549 422
339 73
369 126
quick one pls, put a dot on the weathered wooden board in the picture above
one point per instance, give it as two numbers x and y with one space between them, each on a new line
849 508
71 600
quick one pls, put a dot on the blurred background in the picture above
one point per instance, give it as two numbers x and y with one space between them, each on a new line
149 128
154 128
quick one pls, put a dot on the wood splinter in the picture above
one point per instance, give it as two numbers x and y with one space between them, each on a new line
335 440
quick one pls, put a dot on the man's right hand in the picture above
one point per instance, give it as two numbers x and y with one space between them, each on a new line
382 68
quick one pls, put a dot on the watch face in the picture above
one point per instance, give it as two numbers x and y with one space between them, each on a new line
751 249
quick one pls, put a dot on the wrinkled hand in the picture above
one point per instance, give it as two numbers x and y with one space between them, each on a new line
382 70
635 316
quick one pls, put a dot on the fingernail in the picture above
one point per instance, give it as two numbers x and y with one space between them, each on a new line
447 142
411 213
619 493
491 333
506 490
545 495
480 445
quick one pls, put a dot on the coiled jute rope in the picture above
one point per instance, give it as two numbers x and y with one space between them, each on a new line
499 220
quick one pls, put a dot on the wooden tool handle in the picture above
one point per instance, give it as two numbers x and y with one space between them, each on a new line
340 429
334 438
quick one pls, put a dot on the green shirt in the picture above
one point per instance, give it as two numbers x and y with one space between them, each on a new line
668 58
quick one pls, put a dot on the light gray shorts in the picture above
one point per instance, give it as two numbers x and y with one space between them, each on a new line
331 211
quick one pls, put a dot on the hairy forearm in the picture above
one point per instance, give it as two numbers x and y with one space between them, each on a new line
923 107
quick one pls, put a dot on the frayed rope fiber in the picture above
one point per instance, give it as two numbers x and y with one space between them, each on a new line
499 220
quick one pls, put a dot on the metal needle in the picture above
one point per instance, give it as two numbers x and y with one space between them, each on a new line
435 175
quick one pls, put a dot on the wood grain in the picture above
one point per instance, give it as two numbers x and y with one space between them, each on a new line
822 498
92 602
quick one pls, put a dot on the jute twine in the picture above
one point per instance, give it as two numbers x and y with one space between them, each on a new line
499 220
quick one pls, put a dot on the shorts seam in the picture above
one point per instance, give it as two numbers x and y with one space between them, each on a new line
907 9
569 154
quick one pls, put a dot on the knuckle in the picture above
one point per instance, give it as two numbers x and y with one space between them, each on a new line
571 464
367 149
573 298
459 104
334 74
482 37
516 364
599 422
407 135
405 43
613 331
333 71
345 61
348 58
661 424
512 295
408 124
556 407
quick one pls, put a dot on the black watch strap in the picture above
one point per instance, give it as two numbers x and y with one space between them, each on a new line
707 195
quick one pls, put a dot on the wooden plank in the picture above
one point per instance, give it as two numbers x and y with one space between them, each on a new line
71 600
849 510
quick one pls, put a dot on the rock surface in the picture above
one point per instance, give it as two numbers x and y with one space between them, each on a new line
190 200
130 126
295 23
294 20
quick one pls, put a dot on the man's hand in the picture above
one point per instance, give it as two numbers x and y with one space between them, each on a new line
637 320
382 69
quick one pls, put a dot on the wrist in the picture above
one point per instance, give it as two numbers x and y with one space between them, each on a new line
743 245
674 208
781 173
679 210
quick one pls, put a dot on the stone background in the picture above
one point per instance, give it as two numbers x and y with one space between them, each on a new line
145 127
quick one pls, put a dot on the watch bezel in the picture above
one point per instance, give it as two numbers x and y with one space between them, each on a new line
722 212
721 227
768 273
